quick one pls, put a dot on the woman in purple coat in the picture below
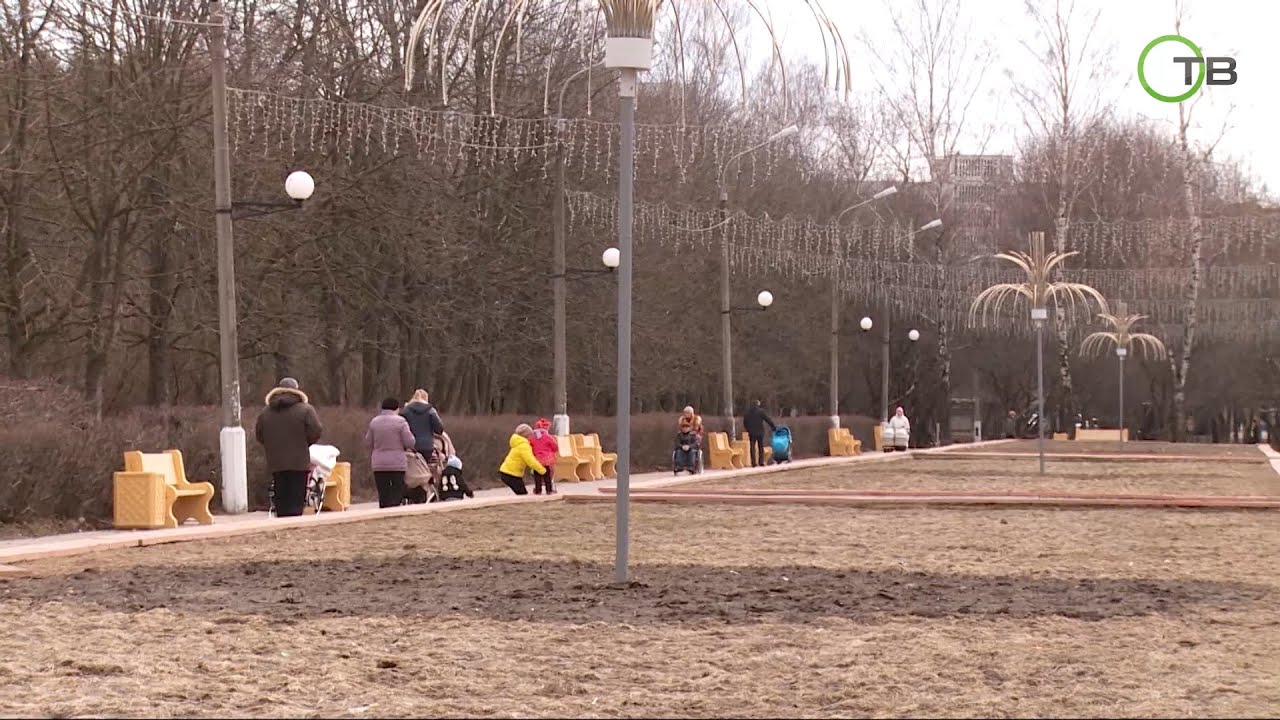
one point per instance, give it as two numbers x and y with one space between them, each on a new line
387 440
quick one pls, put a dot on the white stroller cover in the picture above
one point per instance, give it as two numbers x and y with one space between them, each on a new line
323 459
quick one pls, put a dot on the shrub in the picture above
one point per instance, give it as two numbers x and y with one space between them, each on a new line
60 467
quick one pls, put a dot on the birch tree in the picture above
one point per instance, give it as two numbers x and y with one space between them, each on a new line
1060 106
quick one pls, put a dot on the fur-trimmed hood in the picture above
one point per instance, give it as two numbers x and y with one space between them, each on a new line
283 397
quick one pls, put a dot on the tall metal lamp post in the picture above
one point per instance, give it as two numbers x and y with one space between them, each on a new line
629 48
726 332
836 289
866 324
560 371
298 186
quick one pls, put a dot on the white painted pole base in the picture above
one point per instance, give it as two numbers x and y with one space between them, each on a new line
235 471
560 425
834 420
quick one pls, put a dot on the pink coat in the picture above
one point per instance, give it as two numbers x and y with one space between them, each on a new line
387 439
545 447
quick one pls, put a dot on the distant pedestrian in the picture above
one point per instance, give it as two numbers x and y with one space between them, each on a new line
754 420
519 458
1011 425
387 440
899 428
286 429
424 421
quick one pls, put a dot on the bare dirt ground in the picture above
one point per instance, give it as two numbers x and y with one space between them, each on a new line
1093 447
931 472
737 611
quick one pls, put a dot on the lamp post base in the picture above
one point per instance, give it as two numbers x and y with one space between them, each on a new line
560 425
235 473
834 420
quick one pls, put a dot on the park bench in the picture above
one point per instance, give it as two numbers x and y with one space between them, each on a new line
337 488
569 465
722 455
842 444
1094 434
743 445
153 492
608 460
584 449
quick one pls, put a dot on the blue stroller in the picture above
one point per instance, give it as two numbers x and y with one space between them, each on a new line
781 443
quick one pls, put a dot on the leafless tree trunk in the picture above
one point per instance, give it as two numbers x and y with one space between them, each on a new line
940 69
1060 110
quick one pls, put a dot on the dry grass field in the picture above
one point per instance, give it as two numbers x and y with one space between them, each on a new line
735 611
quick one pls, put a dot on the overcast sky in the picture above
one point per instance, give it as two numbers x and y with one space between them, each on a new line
1244 29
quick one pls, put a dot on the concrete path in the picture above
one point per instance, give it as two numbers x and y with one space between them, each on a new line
224 526
1272 456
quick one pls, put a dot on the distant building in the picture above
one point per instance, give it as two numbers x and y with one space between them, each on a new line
973 186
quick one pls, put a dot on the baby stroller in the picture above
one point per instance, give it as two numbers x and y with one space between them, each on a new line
781 443
687 454
323 459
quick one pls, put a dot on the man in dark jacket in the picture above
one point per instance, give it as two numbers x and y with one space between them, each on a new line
286 429
754 420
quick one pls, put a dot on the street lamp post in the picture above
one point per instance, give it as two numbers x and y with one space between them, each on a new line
629 48
836 289
298 186
726 333
560 366
1122 353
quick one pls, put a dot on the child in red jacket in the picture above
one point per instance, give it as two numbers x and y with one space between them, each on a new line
545 449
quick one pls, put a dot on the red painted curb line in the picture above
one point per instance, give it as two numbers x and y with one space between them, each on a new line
1098 457
872 501
827 492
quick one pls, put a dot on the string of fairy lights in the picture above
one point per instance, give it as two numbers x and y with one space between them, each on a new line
1133 260
273 123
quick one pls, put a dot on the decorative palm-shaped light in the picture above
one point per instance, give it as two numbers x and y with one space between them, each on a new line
1122 337
1040 289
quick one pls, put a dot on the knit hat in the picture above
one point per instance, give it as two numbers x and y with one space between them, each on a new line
289 383
454 462
542 424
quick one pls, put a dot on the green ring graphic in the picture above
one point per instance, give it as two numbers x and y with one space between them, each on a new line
1142 76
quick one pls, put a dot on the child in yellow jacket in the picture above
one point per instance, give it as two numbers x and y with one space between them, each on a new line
519 458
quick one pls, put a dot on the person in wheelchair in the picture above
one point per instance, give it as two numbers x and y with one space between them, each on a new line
687 452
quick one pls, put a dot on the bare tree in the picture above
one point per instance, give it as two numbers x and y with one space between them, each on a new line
1059 109
1193 164
939 66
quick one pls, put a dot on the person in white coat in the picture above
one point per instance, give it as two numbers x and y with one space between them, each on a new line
899 431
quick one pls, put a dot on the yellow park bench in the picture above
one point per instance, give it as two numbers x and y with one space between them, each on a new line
840 443
603 464
583 448
569 465
337 488
153 492
721 454
743 446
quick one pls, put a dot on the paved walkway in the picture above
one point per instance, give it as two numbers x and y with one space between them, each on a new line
224 526
1272 456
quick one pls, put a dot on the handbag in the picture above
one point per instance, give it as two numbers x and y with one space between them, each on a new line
417 474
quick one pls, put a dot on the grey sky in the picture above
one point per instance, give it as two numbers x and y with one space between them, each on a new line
1243 29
